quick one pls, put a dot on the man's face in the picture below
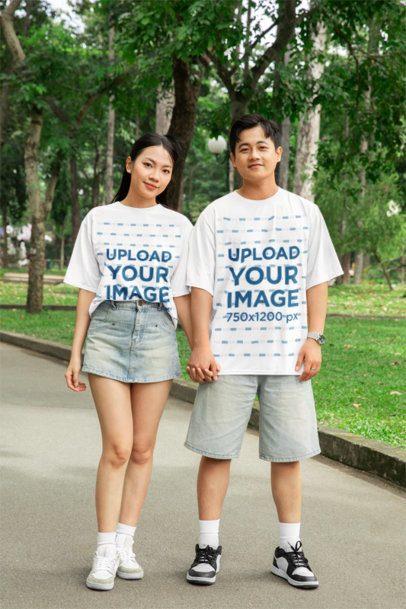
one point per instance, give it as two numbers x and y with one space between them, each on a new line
255 156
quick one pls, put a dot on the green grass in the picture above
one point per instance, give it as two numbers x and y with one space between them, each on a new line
16 293
365 299
24 269
363 364
50 325
368 299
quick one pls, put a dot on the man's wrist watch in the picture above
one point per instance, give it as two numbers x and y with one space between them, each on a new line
319 338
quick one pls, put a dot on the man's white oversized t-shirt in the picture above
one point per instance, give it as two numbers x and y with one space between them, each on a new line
129 253
257 259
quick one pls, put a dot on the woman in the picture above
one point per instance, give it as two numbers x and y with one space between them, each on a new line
129 263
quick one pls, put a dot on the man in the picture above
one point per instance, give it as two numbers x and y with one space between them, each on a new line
259 266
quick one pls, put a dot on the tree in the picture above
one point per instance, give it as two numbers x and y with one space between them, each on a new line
39 205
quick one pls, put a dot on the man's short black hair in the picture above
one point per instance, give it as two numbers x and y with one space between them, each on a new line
271 129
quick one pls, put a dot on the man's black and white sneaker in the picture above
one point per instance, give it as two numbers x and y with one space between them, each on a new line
205 566
291 564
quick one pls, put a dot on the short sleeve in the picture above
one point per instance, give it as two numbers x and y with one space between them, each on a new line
322 262
202 252
178 279
83 269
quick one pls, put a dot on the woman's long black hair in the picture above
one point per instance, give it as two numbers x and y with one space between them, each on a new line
145 141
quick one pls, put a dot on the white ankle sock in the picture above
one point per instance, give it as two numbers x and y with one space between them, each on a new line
289 533
209 533
124 532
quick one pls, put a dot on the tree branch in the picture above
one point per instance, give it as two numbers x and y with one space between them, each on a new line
11 38
223 72
12 7
262 34
286 30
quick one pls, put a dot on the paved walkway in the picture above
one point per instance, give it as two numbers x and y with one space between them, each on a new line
352 529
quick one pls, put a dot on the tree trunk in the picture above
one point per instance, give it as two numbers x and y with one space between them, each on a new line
5 89
4 218
309 131
110 154
366 140
239 105
384 270
96 179
163 112
231 176
110 129
358 267
62 251
282 169
403 269
39 208
283 175
74 197
346 264
182 124
4 105
37 243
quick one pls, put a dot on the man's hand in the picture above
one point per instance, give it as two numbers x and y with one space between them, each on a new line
310 357
202 367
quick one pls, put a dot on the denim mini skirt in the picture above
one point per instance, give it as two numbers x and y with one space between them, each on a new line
131 342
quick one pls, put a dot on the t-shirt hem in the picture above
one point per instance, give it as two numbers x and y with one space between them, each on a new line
196 284
265 372
328 277
186 292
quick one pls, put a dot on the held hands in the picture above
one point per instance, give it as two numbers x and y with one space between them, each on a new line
202 367
72 375
310 357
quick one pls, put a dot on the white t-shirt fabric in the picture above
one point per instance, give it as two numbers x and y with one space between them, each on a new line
129 253
257 259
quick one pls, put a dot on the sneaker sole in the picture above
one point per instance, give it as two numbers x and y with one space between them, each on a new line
200 581
94 586
292 582
134 576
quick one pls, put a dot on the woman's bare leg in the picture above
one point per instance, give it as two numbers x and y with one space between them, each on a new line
113 405
148 401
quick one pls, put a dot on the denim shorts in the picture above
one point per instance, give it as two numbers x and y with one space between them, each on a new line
287 417
131 342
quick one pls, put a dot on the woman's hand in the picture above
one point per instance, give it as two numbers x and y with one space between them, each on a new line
202 367
310 357
72 374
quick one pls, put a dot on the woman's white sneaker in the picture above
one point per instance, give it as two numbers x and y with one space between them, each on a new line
128 567
104 568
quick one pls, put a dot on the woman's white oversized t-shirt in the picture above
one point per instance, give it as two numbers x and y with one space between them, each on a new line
129 253
257 259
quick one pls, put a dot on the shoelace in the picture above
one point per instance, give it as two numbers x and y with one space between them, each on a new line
205 555
297 556
104 563
126 553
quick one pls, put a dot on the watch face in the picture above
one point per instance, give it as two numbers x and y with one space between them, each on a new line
322 339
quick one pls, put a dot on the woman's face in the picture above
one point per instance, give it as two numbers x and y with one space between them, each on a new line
151 171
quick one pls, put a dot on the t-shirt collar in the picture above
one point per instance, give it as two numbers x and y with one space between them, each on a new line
276 195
